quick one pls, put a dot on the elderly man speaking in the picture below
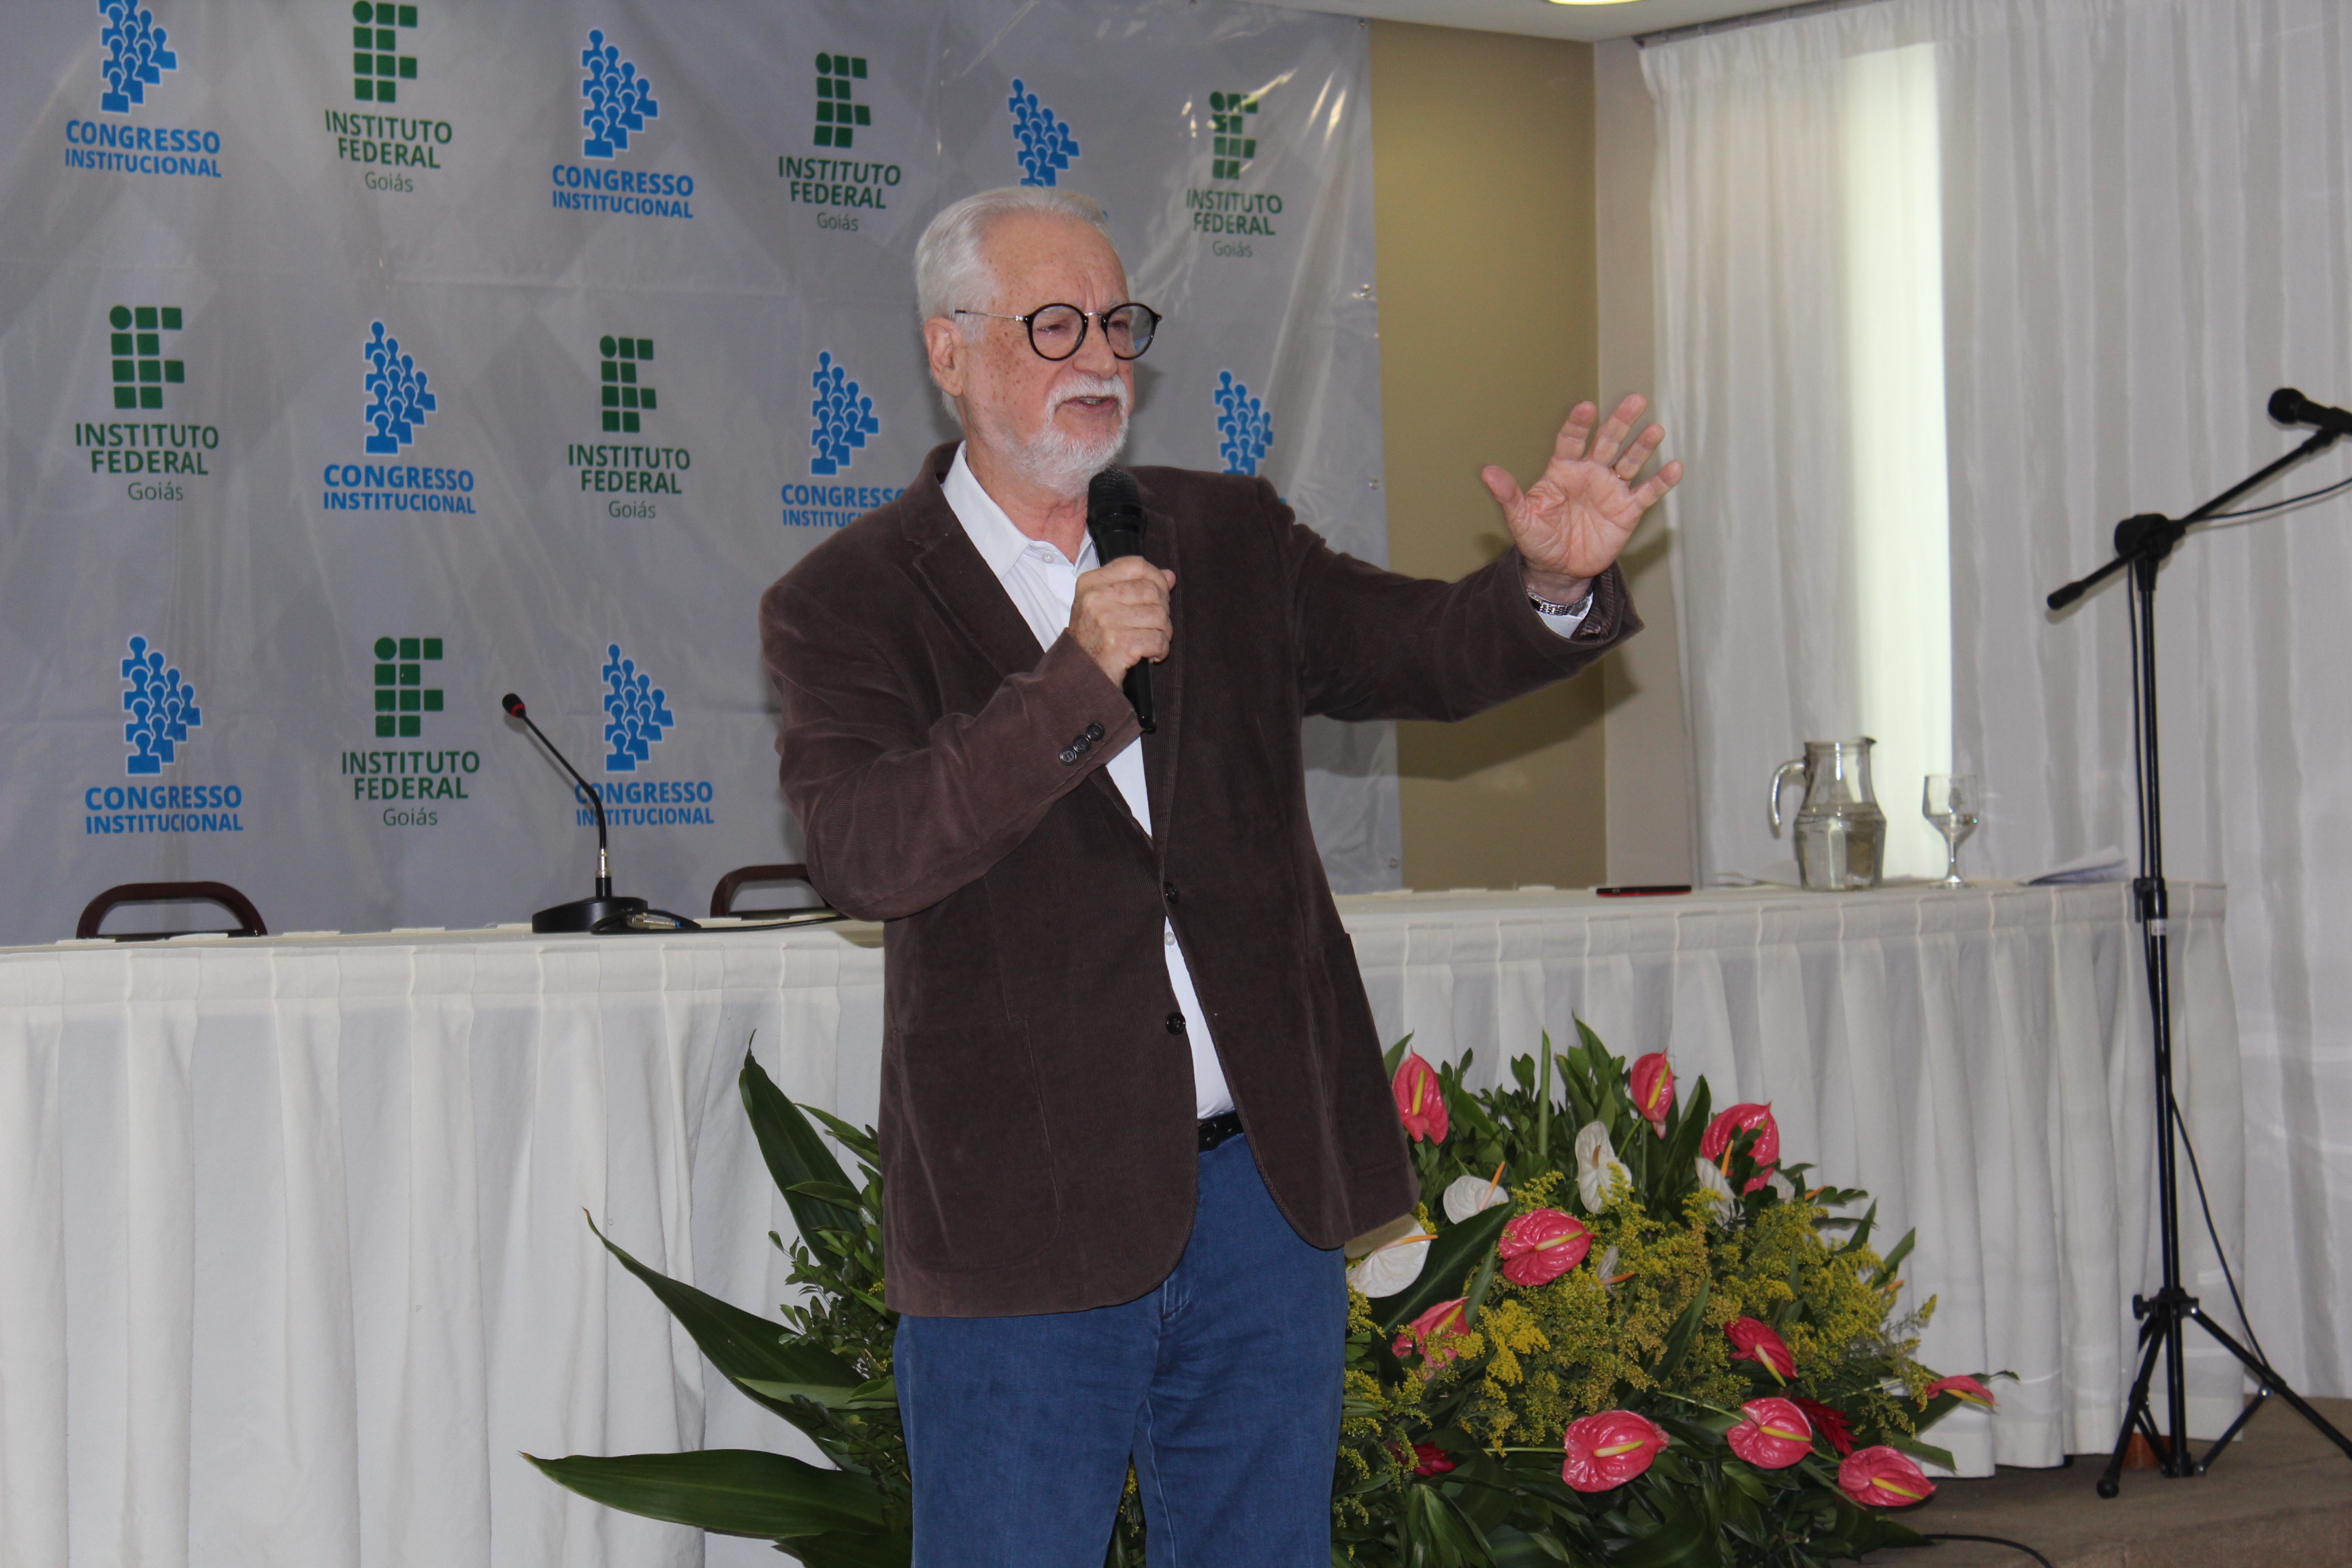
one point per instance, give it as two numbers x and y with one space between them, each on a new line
1132 1101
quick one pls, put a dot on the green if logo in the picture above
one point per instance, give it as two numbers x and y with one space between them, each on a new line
402 697
378 68
837 118
625 395
141 370
1228 126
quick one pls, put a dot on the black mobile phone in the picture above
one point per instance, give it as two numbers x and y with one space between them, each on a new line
1652 890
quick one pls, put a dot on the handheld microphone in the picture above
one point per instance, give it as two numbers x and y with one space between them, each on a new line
1115 520
2288 407
581 914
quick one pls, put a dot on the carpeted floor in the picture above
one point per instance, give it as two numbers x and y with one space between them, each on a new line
2280 1498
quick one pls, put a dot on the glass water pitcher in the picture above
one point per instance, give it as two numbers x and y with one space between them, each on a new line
1841 832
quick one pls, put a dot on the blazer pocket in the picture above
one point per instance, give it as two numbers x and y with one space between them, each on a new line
971 1186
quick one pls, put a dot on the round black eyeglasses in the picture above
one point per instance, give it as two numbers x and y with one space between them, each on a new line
1057 331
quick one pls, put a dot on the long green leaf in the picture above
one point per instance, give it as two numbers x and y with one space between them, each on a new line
1678 1338
1393 1057
735 1492
795 1155
1450 1257
744 1346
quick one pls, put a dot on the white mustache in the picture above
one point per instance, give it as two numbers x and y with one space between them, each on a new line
1109 386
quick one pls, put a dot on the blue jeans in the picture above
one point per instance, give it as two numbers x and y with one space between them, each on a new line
1223 1384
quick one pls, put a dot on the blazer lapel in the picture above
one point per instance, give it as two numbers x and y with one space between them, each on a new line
1161 548
947 563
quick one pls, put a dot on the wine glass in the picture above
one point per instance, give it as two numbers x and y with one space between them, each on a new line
1952 803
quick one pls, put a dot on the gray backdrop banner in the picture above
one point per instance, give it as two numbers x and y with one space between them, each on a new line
360 362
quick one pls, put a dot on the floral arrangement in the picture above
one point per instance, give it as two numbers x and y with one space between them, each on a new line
1664 1350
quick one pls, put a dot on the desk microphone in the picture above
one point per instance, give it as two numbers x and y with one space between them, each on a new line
581 914
1115 520
2289 406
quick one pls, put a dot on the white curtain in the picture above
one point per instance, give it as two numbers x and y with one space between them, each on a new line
2146 216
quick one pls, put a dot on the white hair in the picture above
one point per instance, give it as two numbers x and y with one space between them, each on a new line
950 270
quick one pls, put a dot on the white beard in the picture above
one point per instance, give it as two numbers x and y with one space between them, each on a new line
1057 461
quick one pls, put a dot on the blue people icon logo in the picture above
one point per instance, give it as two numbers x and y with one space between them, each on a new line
636 712
843 416
161 706
135 58
1244 429
397 398
619 100
1045 141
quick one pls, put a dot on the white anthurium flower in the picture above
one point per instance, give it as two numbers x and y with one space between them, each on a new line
1474 1194
1372 1240
1598 1168
1712 1182
1606 1271
1783 1188
1388 1268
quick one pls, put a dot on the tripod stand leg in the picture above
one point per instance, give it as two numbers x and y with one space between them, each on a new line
2271 1383
2110 1481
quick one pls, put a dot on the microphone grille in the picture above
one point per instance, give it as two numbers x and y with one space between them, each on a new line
2287 405
512 704
1113 490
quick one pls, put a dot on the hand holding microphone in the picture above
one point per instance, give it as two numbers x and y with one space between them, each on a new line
1120 615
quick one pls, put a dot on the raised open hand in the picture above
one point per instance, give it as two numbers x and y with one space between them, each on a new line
1571 524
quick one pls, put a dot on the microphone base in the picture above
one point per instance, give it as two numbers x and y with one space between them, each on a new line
582 914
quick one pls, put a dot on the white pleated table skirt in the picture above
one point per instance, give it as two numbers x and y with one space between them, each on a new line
293 1250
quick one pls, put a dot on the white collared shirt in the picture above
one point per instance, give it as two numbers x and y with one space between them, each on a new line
1042 585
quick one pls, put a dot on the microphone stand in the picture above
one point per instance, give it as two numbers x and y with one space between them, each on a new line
2142 543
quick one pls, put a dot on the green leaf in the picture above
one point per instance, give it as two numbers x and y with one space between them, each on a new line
1393 1057
744 1346
735 1492
1894 1259
1678 1341
795 1154
1919 1451
824 1192
1450 1257
1686 1538
1476 1300
882 1394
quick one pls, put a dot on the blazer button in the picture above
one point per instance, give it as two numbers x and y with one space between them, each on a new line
1068 756
1175 1023
1168 891
1093 732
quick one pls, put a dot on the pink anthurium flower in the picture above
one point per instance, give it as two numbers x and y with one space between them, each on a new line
1540 1245
1966 1388
1429 1460
1419 1100
1728 1124
1757 1343
1607 1450
1774 1435
1652 1083
1881 1477
1433 1332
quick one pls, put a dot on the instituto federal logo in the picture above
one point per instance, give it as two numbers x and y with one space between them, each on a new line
843 416
1043 142
838 182
138 53
626 395
1217 209
620 101
637 718
402 697
138 357
382 33
399 400
1244 429
401 701
162 708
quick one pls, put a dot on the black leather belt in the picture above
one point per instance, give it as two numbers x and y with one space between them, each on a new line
1216 1130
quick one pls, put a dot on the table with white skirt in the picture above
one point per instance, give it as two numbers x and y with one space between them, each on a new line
294 1253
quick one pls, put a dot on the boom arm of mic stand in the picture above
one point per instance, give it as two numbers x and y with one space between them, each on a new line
604 854
2151 535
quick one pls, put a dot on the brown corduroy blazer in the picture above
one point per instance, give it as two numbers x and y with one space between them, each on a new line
1037 1109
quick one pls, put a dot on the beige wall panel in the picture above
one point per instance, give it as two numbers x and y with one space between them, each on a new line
1483 178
